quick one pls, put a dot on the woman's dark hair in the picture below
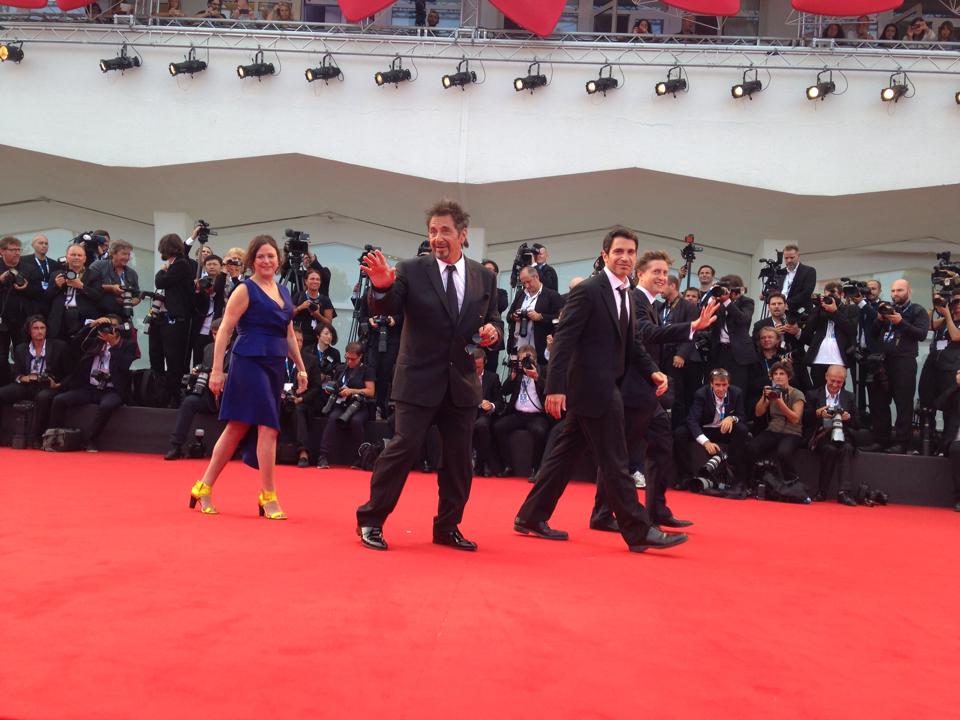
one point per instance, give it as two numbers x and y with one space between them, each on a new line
171 246
840 34
333 333
896 31
254 247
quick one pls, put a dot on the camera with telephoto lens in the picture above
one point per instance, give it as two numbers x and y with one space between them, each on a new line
102 378
823 299
204 232
712 475
197 449
14 277
525 257
233 262
127 296
517 365
123 329
332 390
833 423
524 317
196 381
354 404
383 323
296 245
70 275
854 288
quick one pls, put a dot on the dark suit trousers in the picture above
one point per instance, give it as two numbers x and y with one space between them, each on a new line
191 405
483 443
735 443
606 439
900 386
175 340
659 468
393 465
833 459
107 402
42 399
739 374
537 424
335 435
954 454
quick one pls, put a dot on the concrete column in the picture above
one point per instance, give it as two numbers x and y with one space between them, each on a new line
169 222
478 244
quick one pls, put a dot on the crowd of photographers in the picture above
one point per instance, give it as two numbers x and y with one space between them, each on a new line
819 370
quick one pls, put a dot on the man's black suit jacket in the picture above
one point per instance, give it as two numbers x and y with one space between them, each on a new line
55 362
42 304
121 358
804 283
683 312
433 345
16 305
791 345
844 327
816 399
587 348
703 409
949 403
492 392
655 335
548 276
55 298
549 305
737 315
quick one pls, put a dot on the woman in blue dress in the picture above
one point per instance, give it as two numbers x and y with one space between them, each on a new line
261 311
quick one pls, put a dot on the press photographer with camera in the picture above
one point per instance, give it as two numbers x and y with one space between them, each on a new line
548 276
232 275
683 362
70 303
19 290
102 378
503 302
769 353
832 413
297 406
829 333
39 367
313 308
532 313
176 279
346 405
328 357
782 405
730 342
208 305
949 403
47 268
381 334
523 410
943 360
112 284
197 397
799 281
899 326
717 421
487 459
785 324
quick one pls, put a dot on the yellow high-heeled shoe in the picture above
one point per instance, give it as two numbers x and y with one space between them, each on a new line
199 490
269 497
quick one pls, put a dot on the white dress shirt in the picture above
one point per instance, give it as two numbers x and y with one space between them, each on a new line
616 284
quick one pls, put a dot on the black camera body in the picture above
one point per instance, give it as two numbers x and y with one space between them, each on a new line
854 288
690 249
368 249
15 278
233 262
823 299
206 282
712 475
204 232
525 257
885 309
91 243
776 390
297 244
518 365
382 323
103 378
196 381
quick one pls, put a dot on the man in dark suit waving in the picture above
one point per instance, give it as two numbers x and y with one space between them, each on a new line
595 343
449 305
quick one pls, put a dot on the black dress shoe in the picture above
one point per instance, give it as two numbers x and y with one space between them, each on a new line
673 522
372 537
539 529
610 525
303 462
844 499
957 507
173 453
323 463
453 539
659 540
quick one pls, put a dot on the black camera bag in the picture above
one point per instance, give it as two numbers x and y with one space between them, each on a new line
62 440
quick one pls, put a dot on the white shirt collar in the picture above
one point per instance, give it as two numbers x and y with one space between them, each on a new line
615 282
33 349
651 298
459 265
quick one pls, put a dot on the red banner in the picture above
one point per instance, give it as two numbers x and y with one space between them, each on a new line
845 8
73 4
708 7
538 16
31 4
357 10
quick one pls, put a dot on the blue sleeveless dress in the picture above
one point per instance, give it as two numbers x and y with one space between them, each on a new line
257 365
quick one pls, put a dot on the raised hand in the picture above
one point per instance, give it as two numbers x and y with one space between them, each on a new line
378 270
707 316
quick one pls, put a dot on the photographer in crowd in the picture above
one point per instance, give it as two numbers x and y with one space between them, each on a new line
346 405
232 274
531 315
769 353
68 299
328 357
176 279
829 333
208 305
786 326
487 460
798 284
19 290
46 270
383 334
102 378
299 406
867 348
312 308
112 284
949 403
39 366
899 326
548 276
681 360
524 389
730 342
717 421
503 302
782 405
832 412
197 397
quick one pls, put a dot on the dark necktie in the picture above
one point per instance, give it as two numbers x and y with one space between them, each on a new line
452 292
624 327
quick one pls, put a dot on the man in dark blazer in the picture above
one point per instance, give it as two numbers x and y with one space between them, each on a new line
19 291
731 346
46 269
70 304
106 279
39 367
541 306
716 418
788 335
799 281
503 302
681 360
594 345
449 305
829 333
102 378
548 276
491 404
822 405
949 403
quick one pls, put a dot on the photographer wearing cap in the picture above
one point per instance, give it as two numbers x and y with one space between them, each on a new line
832 412
829 333
113 285
19 290
783 407
102 378
532 314
731 345
524 390
39 365
176 279
899 326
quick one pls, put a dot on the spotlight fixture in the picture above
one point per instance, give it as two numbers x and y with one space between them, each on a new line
463 76
674 83
121 62
532 81
603 83
326 71
12 52
258 68
395 75
822 88
746 88
898 88
189 66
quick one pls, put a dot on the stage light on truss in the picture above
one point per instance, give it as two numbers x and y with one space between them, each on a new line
532 80
190 66
463 76
746 88
326 71
604 83
898 87
395 75
12 52
121 62
821 88
258 68
675 82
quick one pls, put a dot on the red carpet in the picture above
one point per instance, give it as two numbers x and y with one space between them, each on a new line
118 602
